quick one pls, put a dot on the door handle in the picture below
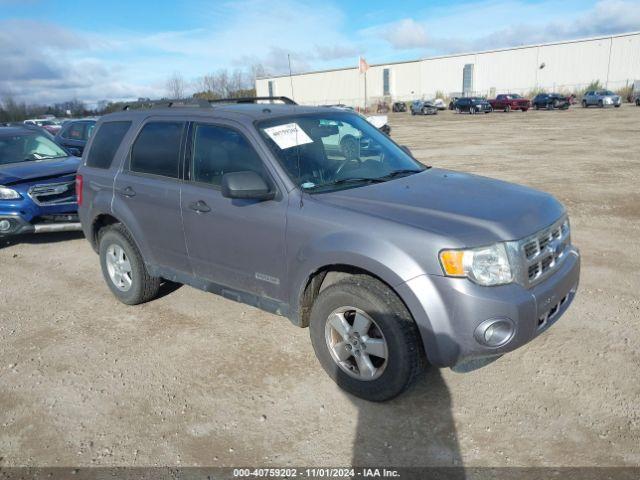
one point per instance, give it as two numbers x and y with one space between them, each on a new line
128 192
200 206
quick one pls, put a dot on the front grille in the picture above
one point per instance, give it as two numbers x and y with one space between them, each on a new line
46 194
543 252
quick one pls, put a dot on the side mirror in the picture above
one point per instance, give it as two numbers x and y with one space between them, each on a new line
407 150
246 185
74 151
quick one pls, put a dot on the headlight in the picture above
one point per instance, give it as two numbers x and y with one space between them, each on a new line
485 266
8 194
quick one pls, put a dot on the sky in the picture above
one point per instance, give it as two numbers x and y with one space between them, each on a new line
58 50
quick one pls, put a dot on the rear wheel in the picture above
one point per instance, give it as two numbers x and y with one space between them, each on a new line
584 104
507 109
600 103
472 110
123 267
365 338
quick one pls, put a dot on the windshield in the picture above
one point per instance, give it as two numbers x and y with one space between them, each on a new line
331 151
27 148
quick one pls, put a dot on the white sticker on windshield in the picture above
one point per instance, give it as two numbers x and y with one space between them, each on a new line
289 135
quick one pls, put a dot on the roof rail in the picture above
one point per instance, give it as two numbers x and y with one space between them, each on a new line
285 100
168 104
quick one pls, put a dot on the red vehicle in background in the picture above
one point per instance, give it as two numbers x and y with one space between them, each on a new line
510 101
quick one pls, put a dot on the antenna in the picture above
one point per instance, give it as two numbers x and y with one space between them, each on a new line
290 74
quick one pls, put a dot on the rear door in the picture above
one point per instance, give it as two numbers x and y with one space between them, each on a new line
234 243
149 190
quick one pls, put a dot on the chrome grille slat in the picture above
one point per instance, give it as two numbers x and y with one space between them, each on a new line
48 194
543 252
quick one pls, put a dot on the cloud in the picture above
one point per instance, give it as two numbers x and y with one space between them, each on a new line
527 24
45 62
406 34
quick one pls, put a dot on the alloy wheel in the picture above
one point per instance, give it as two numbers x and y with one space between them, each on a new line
119 267
356 343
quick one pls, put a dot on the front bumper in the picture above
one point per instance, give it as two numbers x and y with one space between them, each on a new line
448 311
46 224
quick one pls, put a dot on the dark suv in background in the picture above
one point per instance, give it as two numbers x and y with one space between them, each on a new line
383 258
551 101
74 134
472 105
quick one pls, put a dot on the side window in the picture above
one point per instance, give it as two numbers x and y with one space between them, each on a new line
106 143
218 150
157 149
75 131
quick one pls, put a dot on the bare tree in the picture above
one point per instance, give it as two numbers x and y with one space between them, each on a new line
176 85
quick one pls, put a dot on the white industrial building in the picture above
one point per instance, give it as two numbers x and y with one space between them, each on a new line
566 66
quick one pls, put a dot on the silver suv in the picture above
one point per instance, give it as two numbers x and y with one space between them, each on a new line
601 98
392 264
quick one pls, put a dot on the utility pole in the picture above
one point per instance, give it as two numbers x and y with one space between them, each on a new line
290 75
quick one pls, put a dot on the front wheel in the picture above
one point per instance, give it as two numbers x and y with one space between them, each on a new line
536 106
600 103
123 267
507 109
584 104
472 110
365 338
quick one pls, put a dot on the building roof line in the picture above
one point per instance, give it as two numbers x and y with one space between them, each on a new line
463 54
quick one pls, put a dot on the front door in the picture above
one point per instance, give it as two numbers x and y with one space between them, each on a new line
231 242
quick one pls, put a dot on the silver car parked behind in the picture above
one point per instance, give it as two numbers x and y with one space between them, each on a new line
601 98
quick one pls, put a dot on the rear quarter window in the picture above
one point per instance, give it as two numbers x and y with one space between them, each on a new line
105 144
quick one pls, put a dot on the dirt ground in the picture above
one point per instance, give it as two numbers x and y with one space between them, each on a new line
194 379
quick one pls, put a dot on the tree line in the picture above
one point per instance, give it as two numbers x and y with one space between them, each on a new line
221 83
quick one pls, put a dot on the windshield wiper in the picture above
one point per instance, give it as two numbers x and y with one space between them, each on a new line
397 173
343 181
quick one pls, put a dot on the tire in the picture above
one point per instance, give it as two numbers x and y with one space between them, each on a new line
143 287
638 102
584 104
524 109
390 326
507 109
472 110
425 111
536 106
458 110
617 106
600 103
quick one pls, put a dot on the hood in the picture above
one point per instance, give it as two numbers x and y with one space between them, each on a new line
26 171
471 209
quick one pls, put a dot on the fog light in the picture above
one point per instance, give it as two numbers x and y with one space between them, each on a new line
495 332
5 225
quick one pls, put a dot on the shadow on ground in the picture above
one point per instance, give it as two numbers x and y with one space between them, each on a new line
40 238
415 429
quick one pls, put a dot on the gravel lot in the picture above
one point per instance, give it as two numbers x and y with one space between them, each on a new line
194 379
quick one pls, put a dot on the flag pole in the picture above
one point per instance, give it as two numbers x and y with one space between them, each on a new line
365 91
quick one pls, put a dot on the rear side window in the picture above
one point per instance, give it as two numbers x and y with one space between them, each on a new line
75 131
157 149
106 143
